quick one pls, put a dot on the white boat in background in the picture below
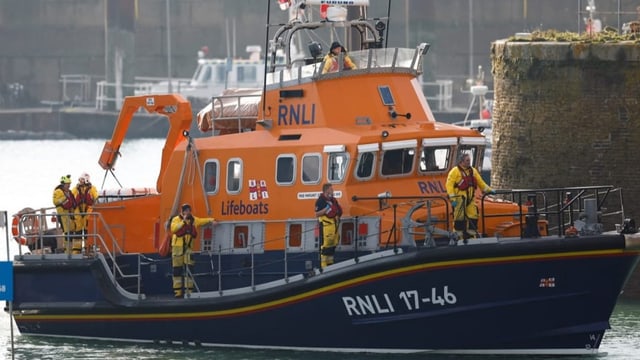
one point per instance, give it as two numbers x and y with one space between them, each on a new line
213 76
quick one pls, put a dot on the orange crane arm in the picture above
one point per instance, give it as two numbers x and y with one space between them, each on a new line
174 106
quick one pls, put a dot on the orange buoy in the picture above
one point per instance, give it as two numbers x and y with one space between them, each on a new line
29 225
15 226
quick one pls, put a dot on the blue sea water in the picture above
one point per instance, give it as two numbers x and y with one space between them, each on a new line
30 170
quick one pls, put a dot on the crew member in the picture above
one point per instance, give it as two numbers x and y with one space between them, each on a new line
462 182
65 204
184 230
328 212
86 195
331 63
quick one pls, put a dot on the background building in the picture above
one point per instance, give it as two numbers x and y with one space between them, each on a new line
44 40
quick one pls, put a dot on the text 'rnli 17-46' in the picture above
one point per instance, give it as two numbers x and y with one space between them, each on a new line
406 300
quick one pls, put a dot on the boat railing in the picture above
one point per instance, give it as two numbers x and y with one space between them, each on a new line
355 246
415 221
241 110
110 95
374 60
77 87
49 235
439 94
586 210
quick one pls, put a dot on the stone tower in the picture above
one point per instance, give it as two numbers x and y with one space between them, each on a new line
567 114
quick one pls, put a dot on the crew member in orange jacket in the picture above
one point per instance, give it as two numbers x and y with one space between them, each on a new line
86 195
462 182
65 204
184 230
328 212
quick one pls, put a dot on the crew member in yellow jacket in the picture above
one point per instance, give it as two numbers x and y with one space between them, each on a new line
184 230
86 195
328 212
65 204
331 60
462 182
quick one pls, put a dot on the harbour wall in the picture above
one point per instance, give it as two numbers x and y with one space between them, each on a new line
567 114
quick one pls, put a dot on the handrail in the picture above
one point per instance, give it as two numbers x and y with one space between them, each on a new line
560 207
416 203
93 240
142 86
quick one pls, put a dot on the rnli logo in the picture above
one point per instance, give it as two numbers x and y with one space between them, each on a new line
431 187
297 114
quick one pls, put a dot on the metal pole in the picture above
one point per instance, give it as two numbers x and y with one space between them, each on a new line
169 89
5 221
470 39
618 17
406 23
579 14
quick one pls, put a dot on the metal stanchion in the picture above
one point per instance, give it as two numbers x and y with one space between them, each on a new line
6 279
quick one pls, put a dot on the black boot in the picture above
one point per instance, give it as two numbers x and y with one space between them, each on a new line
459 227
473 228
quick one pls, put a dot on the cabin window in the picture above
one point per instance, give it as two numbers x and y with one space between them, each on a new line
221 72
295 235
246 73
397 161
435 158
234 176
240 236
285 169
211 176
206 76
346 233
337 166
365 165
311 168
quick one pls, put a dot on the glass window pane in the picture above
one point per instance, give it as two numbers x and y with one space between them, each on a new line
397 161
366 162
234 175
434 158
295 235
284 169
337 166
211 177
311 169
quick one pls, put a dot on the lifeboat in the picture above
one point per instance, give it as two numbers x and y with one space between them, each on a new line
321 201
236 110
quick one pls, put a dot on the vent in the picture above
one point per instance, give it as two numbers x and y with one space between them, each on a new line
289 137
291 93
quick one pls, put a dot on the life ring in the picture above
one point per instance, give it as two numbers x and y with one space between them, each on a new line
15 226
30 225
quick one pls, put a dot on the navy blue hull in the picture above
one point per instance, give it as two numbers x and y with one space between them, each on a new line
521 296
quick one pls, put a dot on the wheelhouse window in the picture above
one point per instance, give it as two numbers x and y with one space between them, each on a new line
337 162
474 146
366 163
436 154
285 169
211 176
398 157
311 168
234 176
